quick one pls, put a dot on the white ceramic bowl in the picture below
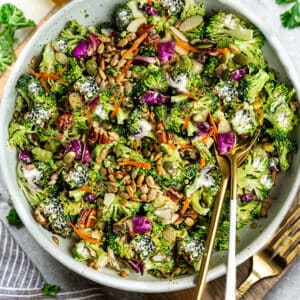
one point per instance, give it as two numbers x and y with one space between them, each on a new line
250 240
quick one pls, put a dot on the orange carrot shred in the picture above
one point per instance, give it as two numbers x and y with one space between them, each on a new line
116 108
149 2
186 46
213 124
186 146
186 122
202 163
83 235
223 50
139 164
136 43
186 204
189 95
86 189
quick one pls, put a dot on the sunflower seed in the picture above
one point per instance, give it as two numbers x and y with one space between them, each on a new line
112 178
103 38
115 60
129 190
100 48
140 180
151 195
150 181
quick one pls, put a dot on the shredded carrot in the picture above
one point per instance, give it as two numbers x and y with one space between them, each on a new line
189 95
149 2
120 173
139 164
223 50
186 122
116 108
186 204
172 146
186 146
83 235
136 43
86 189
202 163
186 46
213 124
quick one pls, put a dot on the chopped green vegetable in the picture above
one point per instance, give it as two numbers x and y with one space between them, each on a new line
14 219
50 289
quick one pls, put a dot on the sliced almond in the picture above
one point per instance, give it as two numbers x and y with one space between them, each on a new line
191 23
197 66
181 51
178 34
135 24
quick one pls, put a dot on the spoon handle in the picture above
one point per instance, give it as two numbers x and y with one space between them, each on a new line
201 280
231 268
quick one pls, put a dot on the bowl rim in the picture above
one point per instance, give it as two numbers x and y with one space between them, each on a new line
156 286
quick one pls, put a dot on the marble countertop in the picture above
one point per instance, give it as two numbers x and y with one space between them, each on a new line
288 288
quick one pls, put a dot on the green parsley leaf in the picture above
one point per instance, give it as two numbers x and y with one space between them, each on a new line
11 19
291 18
50 289
13 219
284 1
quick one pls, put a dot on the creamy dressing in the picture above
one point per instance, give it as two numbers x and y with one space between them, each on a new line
179 83
266 180
205 179
145 128
100 112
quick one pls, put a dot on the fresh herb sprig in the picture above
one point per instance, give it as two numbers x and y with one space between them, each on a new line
291 17
14 219
11 19
50 289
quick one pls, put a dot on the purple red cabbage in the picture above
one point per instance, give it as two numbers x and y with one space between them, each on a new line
25 155
81 49
93 44
154 98
226 142
144 60
247 198
86 156
150 10
76 147
136 266
141 224
90 198
204 128
239 74
166 51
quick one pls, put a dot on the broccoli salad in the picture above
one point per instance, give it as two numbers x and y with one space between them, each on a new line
115 126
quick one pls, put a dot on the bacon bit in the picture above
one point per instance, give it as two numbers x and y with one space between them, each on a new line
116 108
223 50
137 42
186 46
186 122
186 204
202 163
85 189
43 76
139 164
83 235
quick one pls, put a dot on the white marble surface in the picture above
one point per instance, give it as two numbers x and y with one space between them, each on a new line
288 288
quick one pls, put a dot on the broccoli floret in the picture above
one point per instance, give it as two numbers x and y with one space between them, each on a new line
192 248
254 176
53 211
197 33
244 120
123 151
115 210
222 236
80 252
44 172
155 79
192 8
147 50
74 71
207 101
48 60
222 25
122 16
210 66
80 120
251 51
174 7
176 118
135 8
226 91
77 176
251 85
204 152
29 88
143 245
162 23
183 65
73 33
41 154
247 213
120 246
160 111
207 177
18 134
284 147
88 87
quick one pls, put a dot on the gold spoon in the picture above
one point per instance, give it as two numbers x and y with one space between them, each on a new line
225 171
239 153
